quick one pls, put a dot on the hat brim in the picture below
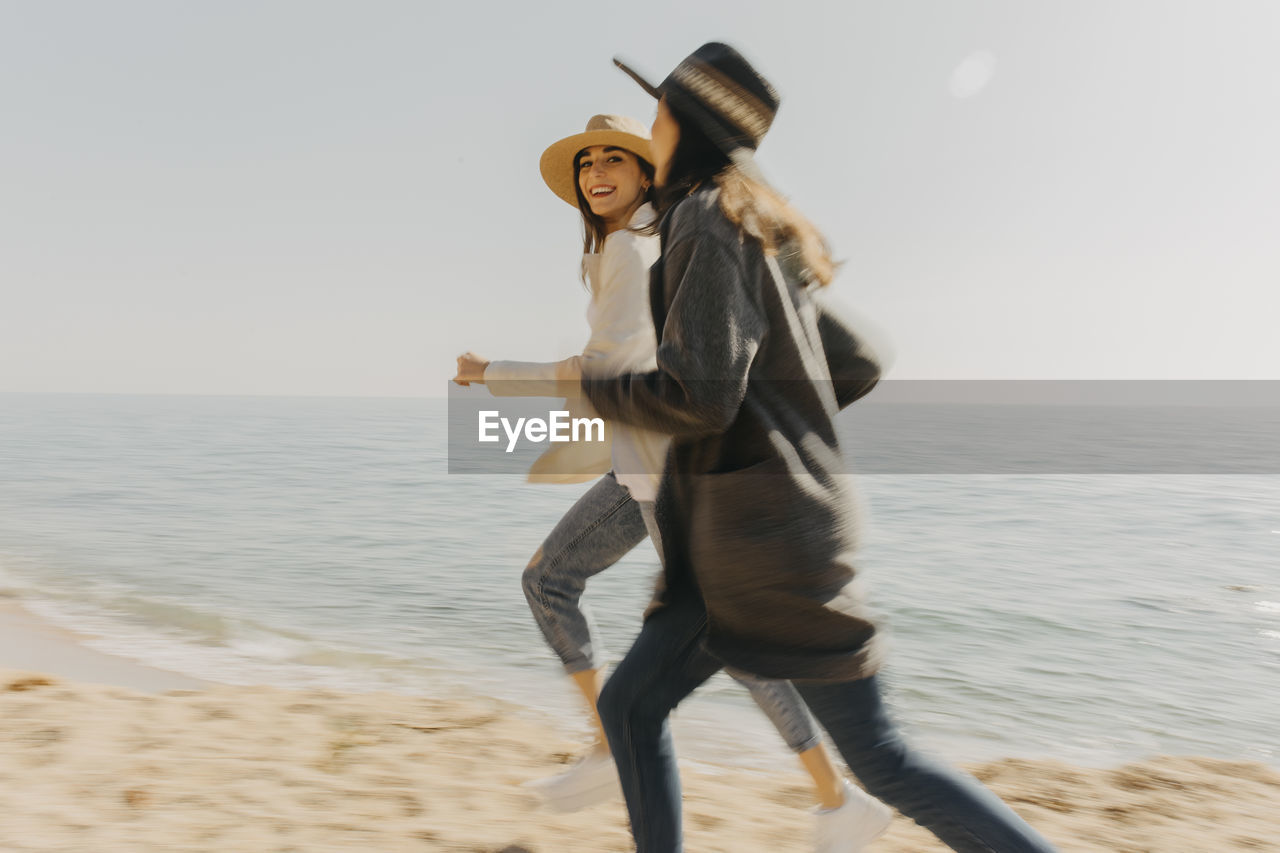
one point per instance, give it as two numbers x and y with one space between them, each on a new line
557 162
644 84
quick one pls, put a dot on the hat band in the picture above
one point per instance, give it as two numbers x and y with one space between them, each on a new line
730 101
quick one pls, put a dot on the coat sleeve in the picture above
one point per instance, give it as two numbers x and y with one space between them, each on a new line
712 331
854 367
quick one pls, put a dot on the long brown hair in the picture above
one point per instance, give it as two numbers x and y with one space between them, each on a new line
757 209
593 227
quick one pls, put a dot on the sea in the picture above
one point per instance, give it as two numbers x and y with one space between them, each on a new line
1091 615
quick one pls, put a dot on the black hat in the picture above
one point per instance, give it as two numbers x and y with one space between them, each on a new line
719 90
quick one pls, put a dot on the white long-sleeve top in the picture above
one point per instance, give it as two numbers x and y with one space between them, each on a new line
622 341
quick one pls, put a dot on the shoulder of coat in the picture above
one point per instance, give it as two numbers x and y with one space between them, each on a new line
700 214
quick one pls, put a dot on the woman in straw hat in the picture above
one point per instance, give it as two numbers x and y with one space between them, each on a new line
755 515
605 172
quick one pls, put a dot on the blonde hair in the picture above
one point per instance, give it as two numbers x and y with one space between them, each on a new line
761 212
757 209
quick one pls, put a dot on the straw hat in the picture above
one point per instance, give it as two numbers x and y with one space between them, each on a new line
557 162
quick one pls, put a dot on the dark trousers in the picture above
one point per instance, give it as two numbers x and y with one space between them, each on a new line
952 805
667 662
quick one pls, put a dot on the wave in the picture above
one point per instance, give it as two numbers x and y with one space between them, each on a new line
216 647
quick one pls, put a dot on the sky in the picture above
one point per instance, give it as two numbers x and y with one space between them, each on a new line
337 198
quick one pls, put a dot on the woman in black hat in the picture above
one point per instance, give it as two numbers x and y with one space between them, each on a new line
754 509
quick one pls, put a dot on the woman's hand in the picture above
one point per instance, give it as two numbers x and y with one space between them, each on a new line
470 369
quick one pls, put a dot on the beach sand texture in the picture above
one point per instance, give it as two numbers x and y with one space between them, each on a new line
104 768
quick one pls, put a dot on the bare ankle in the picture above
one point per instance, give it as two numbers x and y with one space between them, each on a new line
831 798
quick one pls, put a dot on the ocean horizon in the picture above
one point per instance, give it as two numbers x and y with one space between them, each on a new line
1093 616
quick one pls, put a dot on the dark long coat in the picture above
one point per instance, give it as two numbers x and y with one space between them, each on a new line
755 509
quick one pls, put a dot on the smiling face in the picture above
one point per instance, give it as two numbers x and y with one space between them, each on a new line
612 182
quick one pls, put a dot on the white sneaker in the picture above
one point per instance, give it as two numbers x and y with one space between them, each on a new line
593 780
856 822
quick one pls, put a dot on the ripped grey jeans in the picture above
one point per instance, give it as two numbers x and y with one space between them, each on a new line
595 533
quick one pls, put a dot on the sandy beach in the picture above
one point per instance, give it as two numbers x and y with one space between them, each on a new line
143 762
